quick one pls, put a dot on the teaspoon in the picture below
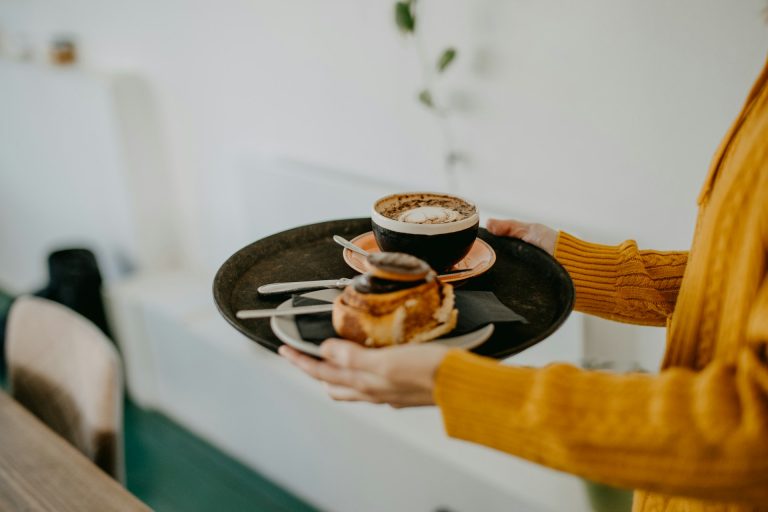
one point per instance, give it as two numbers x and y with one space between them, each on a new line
349 245
359 250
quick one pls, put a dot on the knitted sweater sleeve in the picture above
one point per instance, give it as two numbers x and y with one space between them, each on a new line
622 282
683 432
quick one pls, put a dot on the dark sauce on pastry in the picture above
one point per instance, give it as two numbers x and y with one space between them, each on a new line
398 263
366 283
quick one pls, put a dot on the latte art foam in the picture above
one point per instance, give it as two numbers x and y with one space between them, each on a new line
424 208
429 215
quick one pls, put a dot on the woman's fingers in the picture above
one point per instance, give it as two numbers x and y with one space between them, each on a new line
539 235
348 354
512 228
287 352
345 394
315 368
399 376
396 399
326 371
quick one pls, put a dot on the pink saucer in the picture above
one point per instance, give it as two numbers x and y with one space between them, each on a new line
480 258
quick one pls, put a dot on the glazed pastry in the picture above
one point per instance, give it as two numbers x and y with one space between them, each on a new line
398 300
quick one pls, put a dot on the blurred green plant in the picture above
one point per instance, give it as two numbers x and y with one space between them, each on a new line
448 55
604 498
405 19
425 97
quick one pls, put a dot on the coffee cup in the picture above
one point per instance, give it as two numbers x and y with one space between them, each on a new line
438 228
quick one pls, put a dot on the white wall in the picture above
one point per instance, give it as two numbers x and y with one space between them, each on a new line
598 115
52 194
81 164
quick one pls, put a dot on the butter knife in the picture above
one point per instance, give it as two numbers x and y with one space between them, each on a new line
245 314
300 286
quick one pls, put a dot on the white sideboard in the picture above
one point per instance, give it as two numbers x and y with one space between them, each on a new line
184 360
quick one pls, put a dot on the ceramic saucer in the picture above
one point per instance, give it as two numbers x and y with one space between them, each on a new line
480 258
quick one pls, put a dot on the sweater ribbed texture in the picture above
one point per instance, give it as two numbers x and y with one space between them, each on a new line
695 436
622 282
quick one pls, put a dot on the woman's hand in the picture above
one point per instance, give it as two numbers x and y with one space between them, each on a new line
539 235
400 376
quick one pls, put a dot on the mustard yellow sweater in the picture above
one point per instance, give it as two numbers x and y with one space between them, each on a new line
695 436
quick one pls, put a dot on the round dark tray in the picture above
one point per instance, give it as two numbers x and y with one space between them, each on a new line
525 278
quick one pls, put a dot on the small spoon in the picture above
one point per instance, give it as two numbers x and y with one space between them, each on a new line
349 245
359 250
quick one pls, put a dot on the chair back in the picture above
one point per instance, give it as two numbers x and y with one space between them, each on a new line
67 372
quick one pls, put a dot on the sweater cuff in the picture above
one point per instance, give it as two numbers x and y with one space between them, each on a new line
464 386
594 269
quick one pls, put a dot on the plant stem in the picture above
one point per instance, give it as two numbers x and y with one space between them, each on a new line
441 113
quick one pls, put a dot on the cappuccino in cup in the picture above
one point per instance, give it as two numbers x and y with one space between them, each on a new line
438 228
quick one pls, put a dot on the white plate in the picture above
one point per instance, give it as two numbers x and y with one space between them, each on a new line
286 329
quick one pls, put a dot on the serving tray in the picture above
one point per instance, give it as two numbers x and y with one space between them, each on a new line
525 278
